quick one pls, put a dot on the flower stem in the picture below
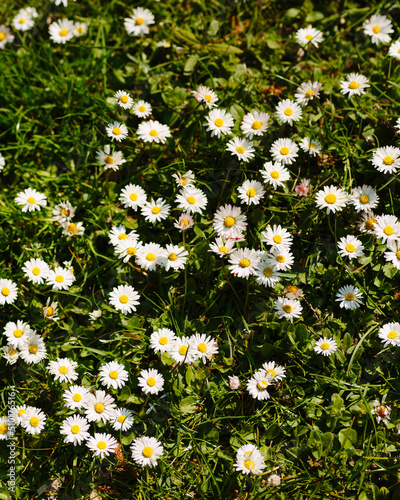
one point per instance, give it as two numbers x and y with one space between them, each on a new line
365 111
230 284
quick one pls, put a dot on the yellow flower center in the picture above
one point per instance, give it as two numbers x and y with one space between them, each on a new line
240 149
3 428
121 419
223 249
63 370
147 451
249 464
18 333
109 160
34 421
309 37
280 258
376 29
202 347
75 429
309 93
21 412
284 150
256 125
133 196
324 346
36 271
76 398
244 263
63 32
392 335
79 30
124 99
388 230
2 36
116 131
353 85
151 381
275 174
267 272
191 200
288 112
12 352
288 308
64 211
251 192
350 297
277 239
219 122
99 407
33 349
142 109
350 248
153 133
72 228
150 257
229 221
182 181
183 350
59 278
113 374
156 210
122 236
49 311
139 21
22 20
262 385
330 198
185 222
312 145
5 291
131 251
388 160
398 254
101 445
31 200
207 98
369 224
163 340
124 299
172 256
364 198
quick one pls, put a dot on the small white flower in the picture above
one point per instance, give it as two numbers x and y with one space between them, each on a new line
249 460
394 50
146 451
75 397
162 340
182 351
381 411
349 297
5 37
8 291
142 109
33 350
33 421
118 233
393 254
325 346
243 262
257 386
155 210
110 161
31 200
133 196
287 111
113 375
10 354
364 198
387 227
242 148
124 298
184 180
75 429
175 257
275 371
275 174
378 28
60 278
304 36
251 192
102 444
273 480
280 258
192 200
153 131
117 131
139 22
332 198
306 92
219 122
151 381
95 314
284 151
61 31
204 346
16 333
5 428
35 270
254 124
386 159
123 419
206 95
267 274
127 249
149 256
80 29
288 309
23 21
63 212
351 247
72 229
221 247
390 334
63 369
234 382
99 407
124 99
311 146
355 84
229 222
277 236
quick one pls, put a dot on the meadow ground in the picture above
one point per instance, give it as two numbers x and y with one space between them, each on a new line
199 275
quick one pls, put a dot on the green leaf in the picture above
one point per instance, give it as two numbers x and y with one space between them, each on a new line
347 438
188 405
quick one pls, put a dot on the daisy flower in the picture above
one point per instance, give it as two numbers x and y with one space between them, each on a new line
153 131
72 229
182 350
277 236
219 122
303 188
313 147
99 406
146 451
184 180
325 346
149 256
192 200
102 444
304 36
243 262
63 369
110 161
242 148
139 22
293 292
393 255
118 233
287 111
288 309
175 257
60 278
349 297
123 419
366 224
8 291
249 460
33 350
133 196
126 249
257 386
267 274
251 192
142 109
206 95
17 333
157 210
378 28
355 84
61 31
23 21
204 346
10 354
394 50
50 311
234 382
280 258
254 124
94 315
75 429
229 222
390 334
381 411
275 174
117 131
33 421
124 99
351 247
5 429
75 397
221 247
386 159
364 198
386 227
18 412
2 159
151 381
63 212
80 29
5 37
306 92
184 222
35 270
332 198
31 200
162 340
124 298
284 151
113 375
275 371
